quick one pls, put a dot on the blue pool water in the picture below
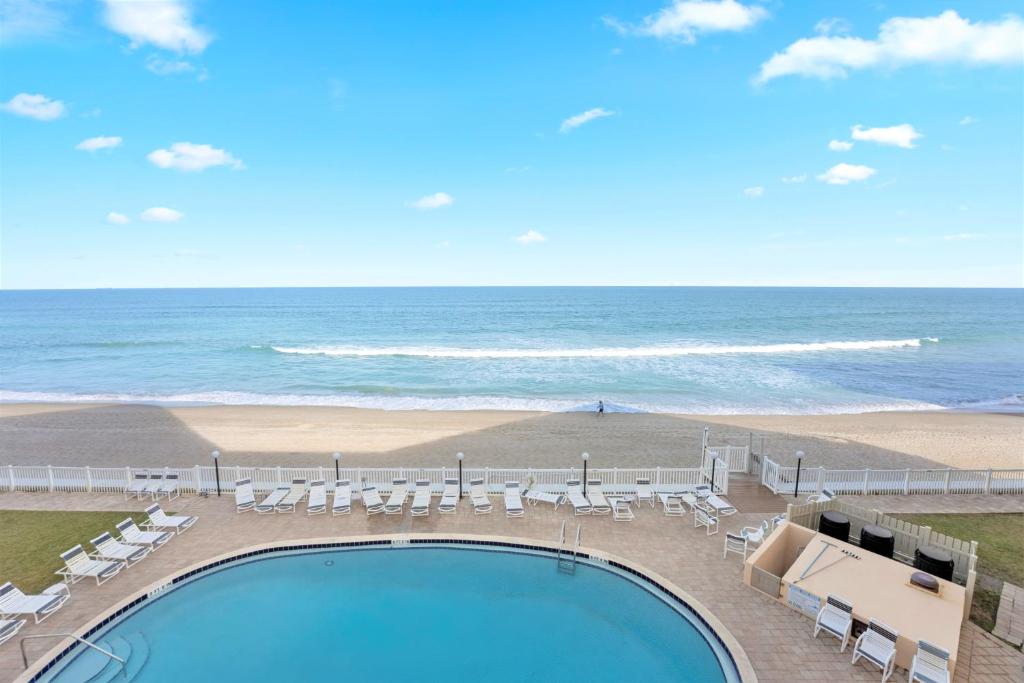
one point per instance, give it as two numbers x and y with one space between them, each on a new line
670 349
425 614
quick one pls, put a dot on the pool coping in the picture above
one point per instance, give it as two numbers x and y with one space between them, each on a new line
732 646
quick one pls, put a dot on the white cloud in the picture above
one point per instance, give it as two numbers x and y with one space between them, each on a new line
186 156
161 214
170 67
968 120
754 192
99 142
530 237
116 218
165 24
433 201
29 19
903 41
587 116
840 146
961 237
793 179
38 107
902 135
832 26
684 20
844 174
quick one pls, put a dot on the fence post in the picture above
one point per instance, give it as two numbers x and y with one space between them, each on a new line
865 491
988 481
88 479
906 482
924 535
657 476
10 472
49 475
278 475
945 487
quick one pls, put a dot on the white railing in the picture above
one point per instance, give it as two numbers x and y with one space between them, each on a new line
737 457
782 479
202 478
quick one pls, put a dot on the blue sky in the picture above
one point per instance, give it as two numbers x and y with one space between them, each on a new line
153 144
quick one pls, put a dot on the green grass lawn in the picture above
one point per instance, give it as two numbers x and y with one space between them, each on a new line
1000 540
31 542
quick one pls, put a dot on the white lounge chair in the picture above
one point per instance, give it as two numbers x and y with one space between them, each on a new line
269 504
137 486
705 517
421 499
595 494
734 543
823 497
296 493
449 498
877 645
317 504
245 499
169 487
9 628
721 506
622 510
478 496
372 501
133 535
159 520
579 502
672 504
756 534
14 603
399 494
836 619
513 500
78 565
156 480
342 504
107 548
534 496
931 664
644 492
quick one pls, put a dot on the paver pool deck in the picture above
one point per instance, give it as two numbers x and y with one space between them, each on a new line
776 639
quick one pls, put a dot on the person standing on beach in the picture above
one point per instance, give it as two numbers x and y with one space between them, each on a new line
600 407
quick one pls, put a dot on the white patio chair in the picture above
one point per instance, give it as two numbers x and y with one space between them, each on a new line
513 500
269 504
14 603
156 480
342 504
137 486
297 492
133 535
672 504
449 498
399 494
622 510
823 497
421 499
931 664
579 502
734 543
644 492
595 494
721 506
9 628
317 503
835 618
534 496
78 565
107 548
158 521
371 500
777 520
705 517
169 487
877 645
755 535
245 499
478 496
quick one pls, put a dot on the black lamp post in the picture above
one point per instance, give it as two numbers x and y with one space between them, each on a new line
216 468
459 457
585 457
337 467
799 461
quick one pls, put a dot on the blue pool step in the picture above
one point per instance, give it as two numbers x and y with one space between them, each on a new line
94 667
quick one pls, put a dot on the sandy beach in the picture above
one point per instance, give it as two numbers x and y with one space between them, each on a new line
145 435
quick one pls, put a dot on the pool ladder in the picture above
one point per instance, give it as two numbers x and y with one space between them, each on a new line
567 557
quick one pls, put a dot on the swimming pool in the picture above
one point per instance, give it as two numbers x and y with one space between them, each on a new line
430 612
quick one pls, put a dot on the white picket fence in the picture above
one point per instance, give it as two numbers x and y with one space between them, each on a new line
737 457
202 478
782 479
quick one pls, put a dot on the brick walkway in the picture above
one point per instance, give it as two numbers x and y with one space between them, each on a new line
776 639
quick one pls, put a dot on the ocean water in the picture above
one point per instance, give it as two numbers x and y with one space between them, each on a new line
696 350
426 614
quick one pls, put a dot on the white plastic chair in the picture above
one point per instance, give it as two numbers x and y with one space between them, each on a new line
877 645
931 664
835 618
734 543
